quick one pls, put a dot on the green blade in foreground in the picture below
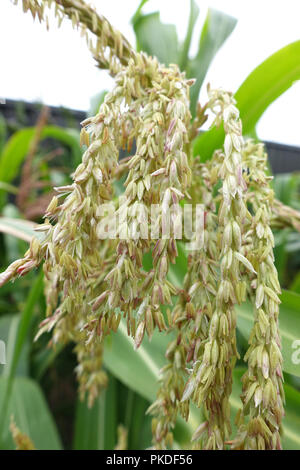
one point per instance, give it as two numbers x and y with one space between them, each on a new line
96 427
31 414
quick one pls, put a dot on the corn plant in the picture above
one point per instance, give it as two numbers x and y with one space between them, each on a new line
183 253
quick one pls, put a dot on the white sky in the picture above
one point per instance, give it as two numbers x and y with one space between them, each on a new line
56 67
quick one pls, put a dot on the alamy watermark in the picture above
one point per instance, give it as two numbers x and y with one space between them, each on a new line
296 354
157 221
2 352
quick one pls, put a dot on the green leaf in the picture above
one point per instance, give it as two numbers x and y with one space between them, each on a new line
178 270
9 325
2 132
43 360
291 421
136 368
17 148
13 246
156 38
289 325
139 370
184 56
281 255
26 316
69 137
261 88
295 286
95 428
138 13
137 422
96 102
266 83
14 152
31 413
286 187
217 27
20 338
19 228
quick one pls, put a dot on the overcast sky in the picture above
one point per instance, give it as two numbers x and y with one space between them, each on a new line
56 67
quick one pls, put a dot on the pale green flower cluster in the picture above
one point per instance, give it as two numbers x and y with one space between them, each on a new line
216 284
263 394
91 282
190 317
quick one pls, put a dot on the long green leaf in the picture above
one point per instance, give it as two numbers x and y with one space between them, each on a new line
17 147
26 316
20 339
31 413
13 247
261 88
156 38
184 56
14 152
139 370
69 137
2 132
138 11
289 324
95 428
217 27
9 325
141 366
266 83
19 228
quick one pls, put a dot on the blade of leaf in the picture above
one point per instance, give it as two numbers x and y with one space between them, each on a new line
23 229
31 413
43 360
2 132
217 27
21 336
141 366
96 102
14 152
17 147
156 38
69 137
261 88
178 270
138 13
266 83
184 56
137 423
26 315
139 370
95 428
9 325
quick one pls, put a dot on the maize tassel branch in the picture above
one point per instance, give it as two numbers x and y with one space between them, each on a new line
92 281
